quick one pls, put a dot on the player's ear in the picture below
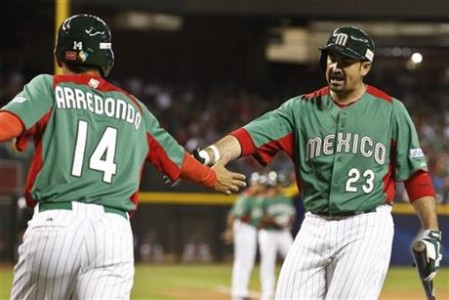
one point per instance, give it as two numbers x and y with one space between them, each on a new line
365 68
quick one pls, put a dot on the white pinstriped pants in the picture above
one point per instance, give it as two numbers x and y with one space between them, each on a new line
343 258
272 242
245 248
83 253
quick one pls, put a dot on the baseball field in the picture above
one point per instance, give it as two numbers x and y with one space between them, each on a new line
210 282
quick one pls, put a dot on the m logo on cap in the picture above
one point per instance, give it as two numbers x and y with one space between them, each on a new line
341 38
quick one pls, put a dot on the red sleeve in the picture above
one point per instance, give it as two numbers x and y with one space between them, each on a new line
11 126
245 140
193 170
265 153
419 185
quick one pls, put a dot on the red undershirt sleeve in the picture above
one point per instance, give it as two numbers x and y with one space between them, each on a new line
419 185
245 140
193 170
11 126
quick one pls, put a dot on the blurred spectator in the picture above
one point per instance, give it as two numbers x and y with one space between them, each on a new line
440 177
197 114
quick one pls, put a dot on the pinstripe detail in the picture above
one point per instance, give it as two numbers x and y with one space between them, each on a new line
338 257
245 246
271 242
84 253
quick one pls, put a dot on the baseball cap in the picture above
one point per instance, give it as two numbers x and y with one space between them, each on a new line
352 42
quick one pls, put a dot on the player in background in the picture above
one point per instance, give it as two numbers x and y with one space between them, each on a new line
91 141
349 142
241 230
278 215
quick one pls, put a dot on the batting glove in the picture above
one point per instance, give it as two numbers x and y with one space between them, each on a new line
201 156
198 154
432 240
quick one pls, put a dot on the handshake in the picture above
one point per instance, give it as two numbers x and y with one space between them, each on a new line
200 155
226 181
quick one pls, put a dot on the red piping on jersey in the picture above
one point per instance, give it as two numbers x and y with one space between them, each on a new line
389 186
135 197
37 131
104 86
318 93
160 159
265 153
369 89
378 93
35 167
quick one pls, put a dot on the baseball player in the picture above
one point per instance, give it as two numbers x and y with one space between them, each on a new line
349 142
91 141
278 215
242 231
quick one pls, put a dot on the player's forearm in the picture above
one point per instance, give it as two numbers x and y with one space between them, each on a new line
194 171
425 208
10 126
227 145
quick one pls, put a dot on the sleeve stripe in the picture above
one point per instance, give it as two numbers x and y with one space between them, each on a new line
161 160
245 140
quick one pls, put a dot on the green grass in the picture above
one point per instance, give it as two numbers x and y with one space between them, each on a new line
183 282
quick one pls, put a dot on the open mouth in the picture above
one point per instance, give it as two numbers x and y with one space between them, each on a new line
336 79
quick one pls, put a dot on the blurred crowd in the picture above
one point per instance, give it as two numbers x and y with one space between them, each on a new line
198 114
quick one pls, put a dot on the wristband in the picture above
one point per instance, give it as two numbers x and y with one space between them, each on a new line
217 155
205 156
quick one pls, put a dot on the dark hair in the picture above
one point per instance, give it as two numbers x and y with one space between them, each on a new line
78 69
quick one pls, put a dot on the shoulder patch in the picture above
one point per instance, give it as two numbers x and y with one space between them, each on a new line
378 93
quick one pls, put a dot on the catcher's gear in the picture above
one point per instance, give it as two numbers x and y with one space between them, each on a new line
427 255
349 41
85 40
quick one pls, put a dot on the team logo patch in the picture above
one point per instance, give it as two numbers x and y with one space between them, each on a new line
70 55
83 55
417 152
94 83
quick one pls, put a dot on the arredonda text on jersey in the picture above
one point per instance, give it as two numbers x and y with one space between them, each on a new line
67 97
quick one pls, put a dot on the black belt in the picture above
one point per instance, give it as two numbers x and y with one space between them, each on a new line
43 206
343 213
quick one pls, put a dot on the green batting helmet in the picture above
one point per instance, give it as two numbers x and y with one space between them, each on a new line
85 40
349 41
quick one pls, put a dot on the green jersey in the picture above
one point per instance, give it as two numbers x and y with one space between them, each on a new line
243 207
91 141
279 207
346 159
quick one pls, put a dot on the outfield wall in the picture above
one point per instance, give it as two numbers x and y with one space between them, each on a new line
182 221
